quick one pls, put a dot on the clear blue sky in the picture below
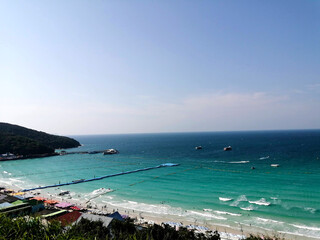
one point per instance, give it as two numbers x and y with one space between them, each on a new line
96 67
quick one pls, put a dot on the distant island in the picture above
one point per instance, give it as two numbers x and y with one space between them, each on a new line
20 142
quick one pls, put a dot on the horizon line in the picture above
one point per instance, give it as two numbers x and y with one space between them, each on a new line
182 132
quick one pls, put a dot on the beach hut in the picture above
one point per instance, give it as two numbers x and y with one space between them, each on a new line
105 220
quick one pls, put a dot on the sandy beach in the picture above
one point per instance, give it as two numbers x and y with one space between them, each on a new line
148 218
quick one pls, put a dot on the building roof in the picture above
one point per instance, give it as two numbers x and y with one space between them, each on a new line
116 215
106 220
68 218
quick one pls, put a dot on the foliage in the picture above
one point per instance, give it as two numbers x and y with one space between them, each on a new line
28 228
20 140
21 145
33 228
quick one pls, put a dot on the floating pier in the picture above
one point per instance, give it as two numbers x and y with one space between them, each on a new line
99 178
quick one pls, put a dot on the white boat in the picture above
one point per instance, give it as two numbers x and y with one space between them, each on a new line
225 199
229 148
198 147
110 151
275 165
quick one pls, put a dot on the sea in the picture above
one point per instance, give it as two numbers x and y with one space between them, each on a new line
240 189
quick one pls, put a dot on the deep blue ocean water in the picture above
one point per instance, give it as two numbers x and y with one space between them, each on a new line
284 198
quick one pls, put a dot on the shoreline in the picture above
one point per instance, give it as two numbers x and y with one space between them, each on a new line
144 217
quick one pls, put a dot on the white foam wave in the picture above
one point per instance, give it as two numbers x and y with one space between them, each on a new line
208 215
147 208
240 162
241 198
262 201
97 193
225 199
311 210
306 227
227 213
266 220
250 208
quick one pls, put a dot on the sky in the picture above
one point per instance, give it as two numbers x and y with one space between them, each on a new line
103 67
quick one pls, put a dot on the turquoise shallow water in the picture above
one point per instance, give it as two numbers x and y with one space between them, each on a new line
286 199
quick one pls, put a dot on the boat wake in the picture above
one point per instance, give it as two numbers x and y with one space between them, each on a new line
240 162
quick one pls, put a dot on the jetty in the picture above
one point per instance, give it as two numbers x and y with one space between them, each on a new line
102 177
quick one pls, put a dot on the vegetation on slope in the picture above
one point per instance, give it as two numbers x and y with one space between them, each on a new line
21 145
33 228
24 141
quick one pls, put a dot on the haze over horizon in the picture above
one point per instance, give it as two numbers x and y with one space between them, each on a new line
100 67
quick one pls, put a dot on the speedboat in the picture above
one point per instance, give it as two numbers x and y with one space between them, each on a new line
275 165
227 148
110 151
198 147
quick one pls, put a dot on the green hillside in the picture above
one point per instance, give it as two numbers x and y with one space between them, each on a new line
24 141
